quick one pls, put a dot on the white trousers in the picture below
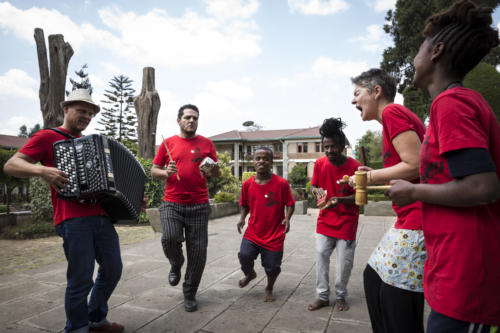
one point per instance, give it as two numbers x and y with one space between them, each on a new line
345 259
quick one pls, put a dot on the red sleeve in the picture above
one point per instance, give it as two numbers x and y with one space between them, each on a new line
457 125
314 178
287 194
37 146
244 194
396 121
212 154
161 155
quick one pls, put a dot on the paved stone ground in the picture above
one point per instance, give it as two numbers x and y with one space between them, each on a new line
32 300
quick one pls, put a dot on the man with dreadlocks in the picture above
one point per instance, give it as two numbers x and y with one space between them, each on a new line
459 172
338 220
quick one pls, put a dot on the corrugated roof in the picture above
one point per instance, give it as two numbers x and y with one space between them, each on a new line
312 132
10 141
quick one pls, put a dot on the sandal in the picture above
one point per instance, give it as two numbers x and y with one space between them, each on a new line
318 304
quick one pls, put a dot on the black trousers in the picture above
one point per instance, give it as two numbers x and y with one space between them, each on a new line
190 223
392 309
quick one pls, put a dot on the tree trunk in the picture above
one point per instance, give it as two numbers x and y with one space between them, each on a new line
147 107
52 87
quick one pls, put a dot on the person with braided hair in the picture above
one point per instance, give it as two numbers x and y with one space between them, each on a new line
459 173
393 277
338 219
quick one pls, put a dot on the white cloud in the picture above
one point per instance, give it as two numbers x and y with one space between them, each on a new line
318 7
16 83
238 90
382 5
152 38
226 9
11 126
23 22
156 38
324 66
374 40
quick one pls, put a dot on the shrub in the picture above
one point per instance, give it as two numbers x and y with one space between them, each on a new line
224 197
154 189
3 208
298 176
226 182
41 203
247 175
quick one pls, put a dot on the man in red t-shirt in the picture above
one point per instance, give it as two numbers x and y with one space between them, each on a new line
338 222
86 231
265 197
185 208
459 173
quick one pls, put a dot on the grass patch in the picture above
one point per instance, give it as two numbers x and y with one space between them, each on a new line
27 231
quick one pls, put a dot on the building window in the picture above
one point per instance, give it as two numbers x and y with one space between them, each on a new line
278 147
301 147
319 147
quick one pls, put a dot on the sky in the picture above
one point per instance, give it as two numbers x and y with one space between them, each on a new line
282 64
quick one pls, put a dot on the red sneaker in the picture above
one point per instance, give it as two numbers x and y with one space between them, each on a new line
110 328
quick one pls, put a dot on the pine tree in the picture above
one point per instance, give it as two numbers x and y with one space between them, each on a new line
23 131
84 81
117 116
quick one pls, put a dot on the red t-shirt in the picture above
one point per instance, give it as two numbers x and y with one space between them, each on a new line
397 119
267 211
39 148
191 189
462 271
340 221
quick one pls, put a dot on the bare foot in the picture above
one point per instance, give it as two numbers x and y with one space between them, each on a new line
318 304
243 282
269 296
341 305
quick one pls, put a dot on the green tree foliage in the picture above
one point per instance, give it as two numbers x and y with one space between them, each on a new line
226 182
8 183
118 117
23 131
405 25
298 176
486 79
417 101
372 141
41 203
84 82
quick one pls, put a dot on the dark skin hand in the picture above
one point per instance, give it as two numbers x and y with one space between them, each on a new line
469 191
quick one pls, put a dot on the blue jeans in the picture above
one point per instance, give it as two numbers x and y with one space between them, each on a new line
271 260
85 241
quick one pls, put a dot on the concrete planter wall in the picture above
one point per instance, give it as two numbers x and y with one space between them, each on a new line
217 210
15 218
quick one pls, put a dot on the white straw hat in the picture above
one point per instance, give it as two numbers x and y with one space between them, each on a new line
80 95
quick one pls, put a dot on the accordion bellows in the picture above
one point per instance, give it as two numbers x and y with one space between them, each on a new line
101 170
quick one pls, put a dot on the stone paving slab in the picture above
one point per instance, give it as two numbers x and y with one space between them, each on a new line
32 300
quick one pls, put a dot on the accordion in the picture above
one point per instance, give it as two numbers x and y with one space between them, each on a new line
101 170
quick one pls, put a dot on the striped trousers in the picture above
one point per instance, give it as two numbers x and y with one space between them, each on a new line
189 223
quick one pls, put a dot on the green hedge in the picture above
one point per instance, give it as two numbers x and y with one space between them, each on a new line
41 203
224 197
